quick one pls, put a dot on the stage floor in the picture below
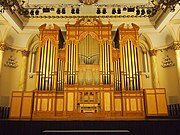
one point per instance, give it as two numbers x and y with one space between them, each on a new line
116 127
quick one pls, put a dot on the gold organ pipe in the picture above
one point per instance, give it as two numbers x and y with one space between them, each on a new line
74 63
68 62
100 62
115 84
133 66
44 67
40 69
108 68
105 60
71 63
136 64
103 63
125 67
118 74
47 65
51 64
77 60
130 65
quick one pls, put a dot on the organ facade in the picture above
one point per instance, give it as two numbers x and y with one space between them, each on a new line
89 75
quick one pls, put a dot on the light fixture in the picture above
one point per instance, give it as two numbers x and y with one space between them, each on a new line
63 11
88 2
142 11
32 12
104 11
77 10
137 12
113 11
46 10
119 11
73 11
11 62
98 11
124 8
148 11
130 9
37 12
58 11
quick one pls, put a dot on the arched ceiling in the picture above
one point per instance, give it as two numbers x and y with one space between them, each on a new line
160 30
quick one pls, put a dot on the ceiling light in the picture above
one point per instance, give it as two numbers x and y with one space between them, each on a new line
63 11
119 11
37 12
113 11
104 11
46 10
142 12
148 11
98 11
32 12
73 11
124 8
130 9
137 12
77 10
58 11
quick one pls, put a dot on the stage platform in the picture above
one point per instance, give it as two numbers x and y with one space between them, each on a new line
163 126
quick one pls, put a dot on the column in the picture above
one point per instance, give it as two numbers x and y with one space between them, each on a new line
177 51
22 81
155 76
2 48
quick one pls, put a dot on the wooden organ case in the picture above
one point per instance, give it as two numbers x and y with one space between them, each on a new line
88 76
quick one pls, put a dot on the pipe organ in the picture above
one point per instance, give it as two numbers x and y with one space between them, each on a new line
88 75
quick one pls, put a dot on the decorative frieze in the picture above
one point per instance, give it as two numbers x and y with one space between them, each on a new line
153 52
25 53
176 45
2 46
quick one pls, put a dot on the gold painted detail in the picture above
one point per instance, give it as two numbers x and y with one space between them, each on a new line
25 53
153 52
2 46
115 54
176 45
88 2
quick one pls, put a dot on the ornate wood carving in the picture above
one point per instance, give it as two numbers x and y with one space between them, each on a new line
91 26
115 54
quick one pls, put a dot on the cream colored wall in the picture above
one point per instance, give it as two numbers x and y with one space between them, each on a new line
9 78
168 77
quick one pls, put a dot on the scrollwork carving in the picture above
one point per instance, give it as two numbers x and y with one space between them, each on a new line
153 52
176 45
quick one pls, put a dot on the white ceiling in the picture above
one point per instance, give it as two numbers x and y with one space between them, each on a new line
158 27
77 1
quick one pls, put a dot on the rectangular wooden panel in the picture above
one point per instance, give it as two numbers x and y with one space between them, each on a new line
15 111
107 101
118 105
26 109
70 102
155 102
59 104
151 108
161 104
